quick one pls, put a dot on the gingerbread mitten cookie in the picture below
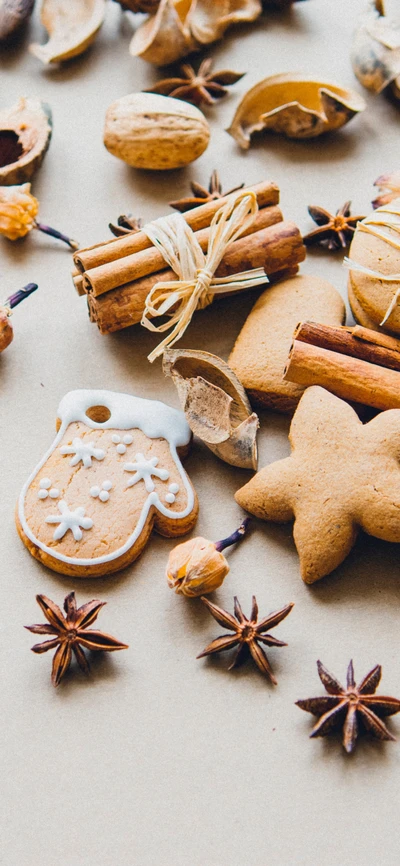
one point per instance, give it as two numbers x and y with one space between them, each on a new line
112 474
341 475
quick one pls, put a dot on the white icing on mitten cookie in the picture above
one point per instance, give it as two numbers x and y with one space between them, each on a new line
84 510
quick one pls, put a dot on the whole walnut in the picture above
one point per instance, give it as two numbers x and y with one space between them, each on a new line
150 131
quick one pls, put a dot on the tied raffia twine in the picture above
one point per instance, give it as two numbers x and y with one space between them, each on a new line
196 284
391 221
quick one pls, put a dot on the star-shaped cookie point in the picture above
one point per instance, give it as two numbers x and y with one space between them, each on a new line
348 707
342 475
82 452
144 469
67 520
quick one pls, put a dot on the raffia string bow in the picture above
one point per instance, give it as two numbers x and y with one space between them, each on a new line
391 220
196 284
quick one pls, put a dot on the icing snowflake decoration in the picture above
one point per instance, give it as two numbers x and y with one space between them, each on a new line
45 489
73 520
82 451
103 492
144 469
122 443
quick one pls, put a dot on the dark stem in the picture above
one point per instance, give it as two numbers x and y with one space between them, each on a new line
236 536
19 296
55 234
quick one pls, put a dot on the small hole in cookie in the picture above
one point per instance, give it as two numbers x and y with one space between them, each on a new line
98 414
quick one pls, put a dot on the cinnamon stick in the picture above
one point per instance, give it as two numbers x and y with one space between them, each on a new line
77 280
199 218
346 376
278 249
356 342
140 264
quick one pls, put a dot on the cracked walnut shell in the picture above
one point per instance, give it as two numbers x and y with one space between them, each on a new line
150 131
375 53
71 26
25 133
294 106
179 27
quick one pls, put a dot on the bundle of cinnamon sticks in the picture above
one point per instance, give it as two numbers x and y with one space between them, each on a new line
118 275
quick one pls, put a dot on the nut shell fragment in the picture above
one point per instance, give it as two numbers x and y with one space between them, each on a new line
155 132
375 53
182 26
72 26
13 15
25 133
294 106
215 405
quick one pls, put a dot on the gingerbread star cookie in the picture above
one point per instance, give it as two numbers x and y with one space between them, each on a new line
112 474
342 475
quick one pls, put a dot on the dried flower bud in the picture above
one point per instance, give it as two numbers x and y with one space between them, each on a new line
6 330
198 566
18 209
389 188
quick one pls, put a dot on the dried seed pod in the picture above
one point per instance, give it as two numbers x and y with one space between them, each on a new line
389 188
375 53
215 404
198 566
18 212
72 27
294 106
155 132
13 15
6 328
25 133
181 26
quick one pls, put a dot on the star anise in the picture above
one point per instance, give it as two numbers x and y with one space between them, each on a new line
248 633
201 195
126 223
71 633
335 230
347 707
198 87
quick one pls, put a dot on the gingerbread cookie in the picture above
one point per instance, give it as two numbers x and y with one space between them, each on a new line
341 475
260 353
359 314
112 474
374 262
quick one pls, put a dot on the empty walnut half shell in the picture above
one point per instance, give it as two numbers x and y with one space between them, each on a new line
25 132
72 27
294 106
179 27
375 53
215 405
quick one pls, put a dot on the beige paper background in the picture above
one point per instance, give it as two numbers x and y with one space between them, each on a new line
159 758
